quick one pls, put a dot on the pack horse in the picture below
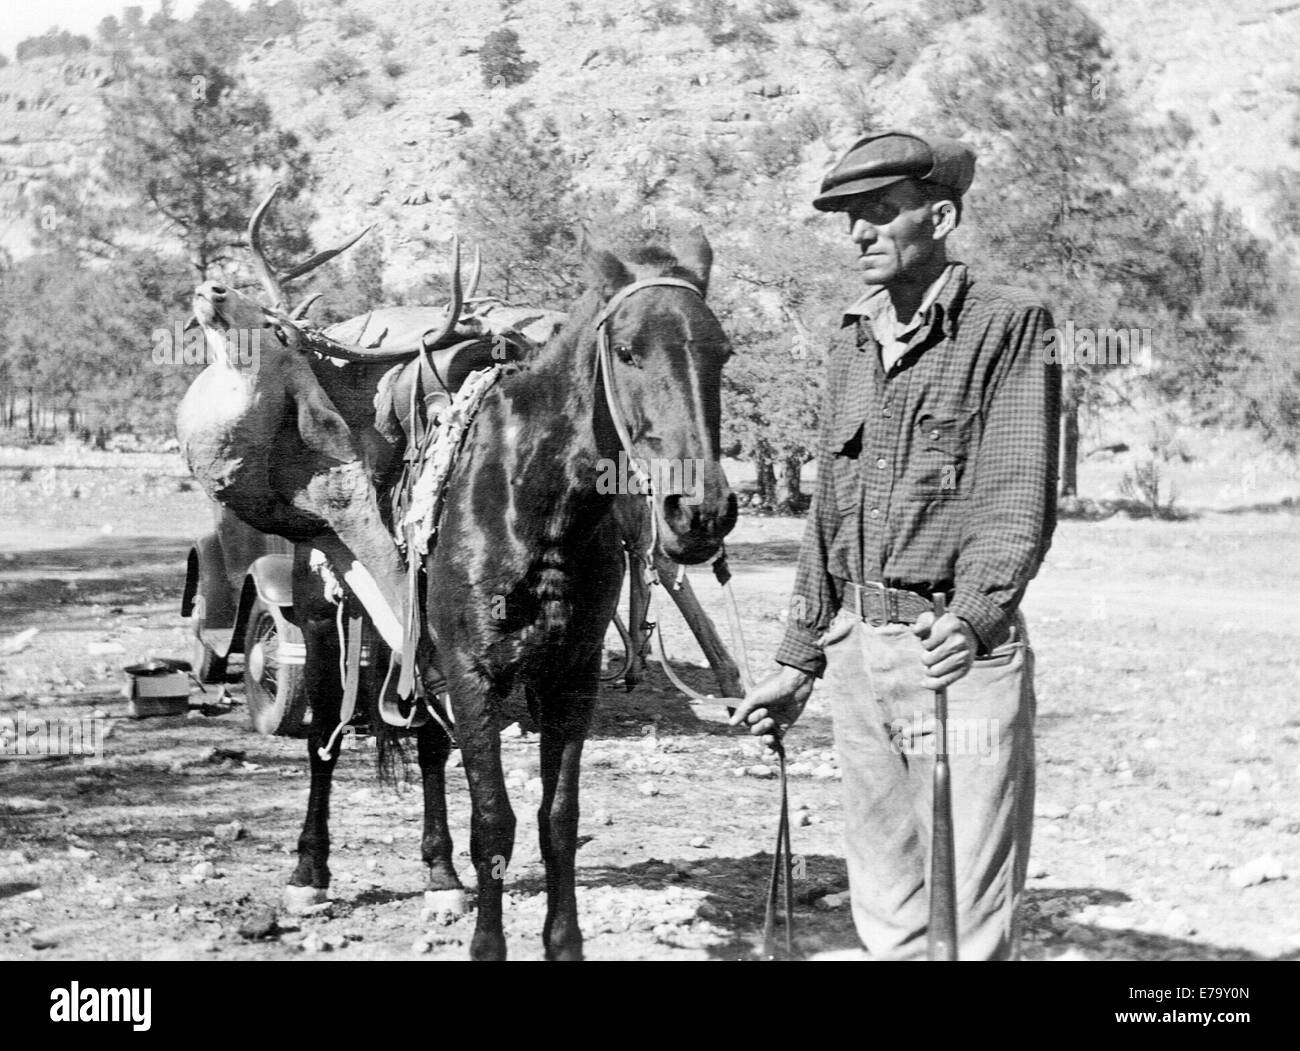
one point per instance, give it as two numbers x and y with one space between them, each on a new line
504 571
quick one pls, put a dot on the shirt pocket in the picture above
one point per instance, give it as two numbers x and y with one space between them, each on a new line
845 449
941 446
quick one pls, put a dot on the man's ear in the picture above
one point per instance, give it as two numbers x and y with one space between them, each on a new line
945 218
606 272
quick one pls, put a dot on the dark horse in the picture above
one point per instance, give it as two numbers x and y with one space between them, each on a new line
528 563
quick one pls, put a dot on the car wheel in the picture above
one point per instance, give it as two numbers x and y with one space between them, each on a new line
273 674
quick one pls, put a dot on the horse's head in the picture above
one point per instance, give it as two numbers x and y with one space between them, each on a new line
662 362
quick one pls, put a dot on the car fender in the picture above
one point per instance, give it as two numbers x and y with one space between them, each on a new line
205 578
207 598
270 578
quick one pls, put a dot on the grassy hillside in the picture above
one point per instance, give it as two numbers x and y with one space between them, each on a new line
641 92
693 109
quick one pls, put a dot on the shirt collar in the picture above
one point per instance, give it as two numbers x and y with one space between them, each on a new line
938 302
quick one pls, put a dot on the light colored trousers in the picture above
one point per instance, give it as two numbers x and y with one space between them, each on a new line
884 733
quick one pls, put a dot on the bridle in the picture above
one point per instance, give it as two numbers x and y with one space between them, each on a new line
604 368
605 372
782 855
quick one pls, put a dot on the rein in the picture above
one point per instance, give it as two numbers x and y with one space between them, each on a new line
782 857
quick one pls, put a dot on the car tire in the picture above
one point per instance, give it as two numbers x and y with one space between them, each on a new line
274 691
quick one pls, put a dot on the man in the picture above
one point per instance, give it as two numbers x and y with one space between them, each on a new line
937 473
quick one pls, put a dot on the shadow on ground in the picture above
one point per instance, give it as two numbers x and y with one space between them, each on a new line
118 572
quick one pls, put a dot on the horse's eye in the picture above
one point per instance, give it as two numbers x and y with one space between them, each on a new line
624 353
281 335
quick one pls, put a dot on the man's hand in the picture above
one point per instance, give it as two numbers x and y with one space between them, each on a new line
950 648
774 704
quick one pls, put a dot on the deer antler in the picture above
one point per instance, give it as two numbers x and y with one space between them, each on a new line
273 282
457 300
300 311
476 272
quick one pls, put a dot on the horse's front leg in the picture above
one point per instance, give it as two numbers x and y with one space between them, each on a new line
565 718
311 878
492 824
443 888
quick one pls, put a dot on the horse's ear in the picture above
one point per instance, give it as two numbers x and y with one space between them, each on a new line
695 255
606 272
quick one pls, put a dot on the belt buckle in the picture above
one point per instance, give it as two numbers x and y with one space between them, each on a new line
877 590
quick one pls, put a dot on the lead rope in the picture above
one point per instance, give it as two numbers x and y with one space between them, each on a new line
782 866
782 874
782 854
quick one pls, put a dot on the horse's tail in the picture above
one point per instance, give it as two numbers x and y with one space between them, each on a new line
390 755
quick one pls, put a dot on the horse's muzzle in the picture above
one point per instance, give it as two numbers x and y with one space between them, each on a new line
693 532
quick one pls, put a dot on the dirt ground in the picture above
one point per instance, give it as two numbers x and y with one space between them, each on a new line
1168 821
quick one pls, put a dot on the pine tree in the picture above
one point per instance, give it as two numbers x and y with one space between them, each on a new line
1053 204
189 149
518 207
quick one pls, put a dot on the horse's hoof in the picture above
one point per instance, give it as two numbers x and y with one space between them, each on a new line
445 906
303 901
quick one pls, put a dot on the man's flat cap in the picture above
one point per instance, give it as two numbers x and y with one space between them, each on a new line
884 159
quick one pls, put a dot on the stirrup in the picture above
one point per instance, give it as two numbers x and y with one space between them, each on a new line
404 713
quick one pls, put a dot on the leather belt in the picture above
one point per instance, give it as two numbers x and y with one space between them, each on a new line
877 604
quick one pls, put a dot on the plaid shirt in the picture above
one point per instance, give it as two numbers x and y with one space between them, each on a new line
939 474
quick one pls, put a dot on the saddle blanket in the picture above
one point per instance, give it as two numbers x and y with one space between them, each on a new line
417 528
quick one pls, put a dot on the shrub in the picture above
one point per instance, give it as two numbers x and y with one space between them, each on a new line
775 147
502 60
873 47
861 110
712 15
353 23
808 124
711 161
361 92
664 13
394 68
318 127
50 43
1145 491
723 25
272 20
751 67
337 66
778 10
353 99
